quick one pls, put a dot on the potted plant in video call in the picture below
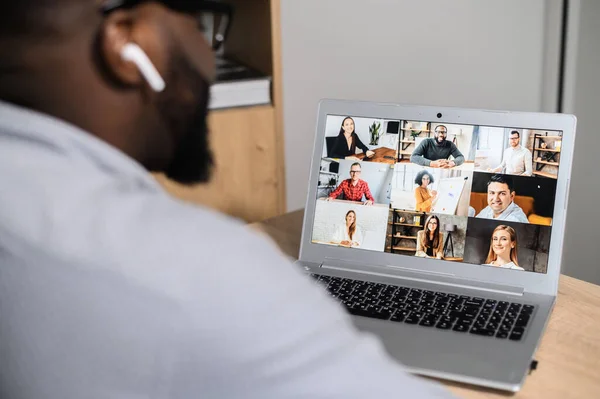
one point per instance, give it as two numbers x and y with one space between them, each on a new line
375 133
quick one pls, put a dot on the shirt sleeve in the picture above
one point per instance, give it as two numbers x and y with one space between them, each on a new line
276 338
528 159
459 159
367 192
336 193
360 144
418 155
340 148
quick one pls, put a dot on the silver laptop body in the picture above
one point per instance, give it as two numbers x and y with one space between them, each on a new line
447 354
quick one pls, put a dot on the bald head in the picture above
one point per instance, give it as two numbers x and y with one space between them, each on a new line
63 58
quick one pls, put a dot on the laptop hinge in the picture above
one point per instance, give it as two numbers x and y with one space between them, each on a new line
408 274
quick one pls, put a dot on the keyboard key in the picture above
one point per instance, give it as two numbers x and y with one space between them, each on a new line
427 322
514 307
502 334
527 309
413 318
516 334
482 331
522 321
460 328
443 325
473 303
400 315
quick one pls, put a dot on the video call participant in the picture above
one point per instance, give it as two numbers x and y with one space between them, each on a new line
347 141
501 206
349 233
423 195
434 152
517 159
354 188
503 249
430 239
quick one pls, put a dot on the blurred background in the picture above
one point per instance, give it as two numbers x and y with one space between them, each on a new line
534 55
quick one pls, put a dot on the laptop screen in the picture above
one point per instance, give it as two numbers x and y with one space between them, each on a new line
482 195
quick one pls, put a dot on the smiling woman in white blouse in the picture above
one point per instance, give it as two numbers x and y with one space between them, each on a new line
503 249
349 233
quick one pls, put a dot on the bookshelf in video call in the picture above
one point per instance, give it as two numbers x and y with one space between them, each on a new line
248 181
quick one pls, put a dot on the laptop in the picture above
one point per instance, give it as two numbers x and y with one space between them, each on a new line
451 250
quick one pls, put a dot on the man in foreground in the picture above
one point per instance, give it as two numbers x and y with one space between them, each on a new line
109 288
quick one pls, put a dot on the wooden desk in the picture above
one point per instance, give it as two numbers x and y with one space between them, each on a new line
379 155
569 354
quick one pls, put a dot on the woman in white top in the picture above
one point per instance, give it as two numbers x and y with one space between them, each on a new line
503 248
349 234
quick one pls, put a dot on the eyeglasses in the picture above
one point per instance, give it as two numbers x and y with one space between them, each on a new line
355 171
216 16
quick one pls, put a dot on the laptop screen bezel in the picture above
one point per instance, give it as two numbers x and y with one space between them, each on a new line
544 283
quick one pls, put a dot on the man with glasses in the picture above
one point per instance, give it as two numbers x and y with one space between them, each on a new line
435 152
517 160
354 188
110 288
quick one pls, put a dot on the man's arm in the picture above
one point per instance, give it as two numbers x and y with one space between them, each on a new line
257 340
367 192
418 155
528 163
336 193
459 159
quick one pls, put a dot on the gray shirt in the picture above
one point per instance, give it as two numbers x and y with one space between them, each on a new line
110 288
428 150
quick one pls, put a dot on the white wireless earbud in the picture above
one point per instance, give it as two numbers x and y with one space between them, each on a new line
134 53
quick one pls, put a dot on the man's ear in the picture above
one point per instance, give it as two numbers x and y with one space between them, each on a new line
117 31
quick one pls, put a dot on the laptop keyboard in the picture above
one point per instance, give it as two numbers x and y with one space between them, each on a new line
460 313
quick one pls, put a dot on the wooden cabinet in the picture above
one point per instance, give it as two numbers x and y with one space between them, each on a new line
248 182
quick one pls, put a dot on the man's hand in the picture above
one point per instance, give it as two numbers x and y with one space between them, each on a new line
346 243
369 202
437 164
449 164
327 198
369 153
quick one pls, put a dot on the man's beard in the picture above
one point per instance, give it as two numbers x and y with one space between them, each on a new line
440 142
187 120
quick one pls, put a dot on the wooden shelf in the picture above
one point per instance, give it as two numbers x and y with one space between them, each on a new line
546 150
402 249
547 163
544 174
404 237
549 137
406 224
249 177
409 212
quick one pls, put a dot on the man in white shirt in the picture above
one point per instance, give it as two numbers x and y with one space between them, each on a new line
109 288
517 160
501 206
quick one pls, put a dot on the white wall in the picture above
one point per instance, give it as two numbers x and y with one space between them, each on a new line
582 92
472 53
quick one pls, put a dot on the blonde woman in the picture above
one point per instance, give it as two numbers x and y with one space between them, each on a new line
503 249
430 239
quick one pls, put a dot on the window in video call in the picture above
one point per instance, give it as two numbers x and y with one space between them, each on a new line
482 195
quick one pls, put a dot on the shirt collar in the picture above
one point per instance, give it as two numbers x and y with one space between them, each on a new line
62 136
